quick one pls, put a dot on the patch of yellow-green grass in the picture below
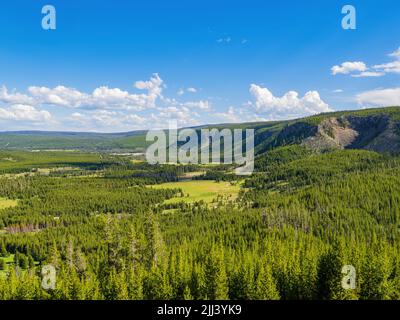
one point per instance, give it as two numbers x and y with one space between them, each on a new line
7 203
201 190
169 211
189 175
8 261
137 161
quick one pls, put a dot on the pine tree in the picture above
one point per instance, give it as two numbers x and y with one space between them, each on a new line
186 294
266 285
2 265
215 275
3 251
329 277
221 283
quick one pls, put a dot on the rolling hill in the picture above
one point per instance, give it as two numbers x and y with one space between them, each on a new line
371 129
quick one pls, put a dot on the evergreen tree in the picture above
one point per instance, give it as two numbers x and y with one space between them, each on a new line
266 285
3 250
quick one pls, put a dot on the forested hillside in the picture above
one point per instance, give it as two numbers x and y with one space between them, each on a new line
111 234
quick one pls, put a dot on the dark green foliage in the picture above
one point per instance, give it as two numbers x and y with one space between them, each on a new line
300 218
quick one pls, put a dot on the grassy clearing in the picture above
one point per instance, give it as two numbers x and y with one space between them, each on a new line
7 203
201 190
8 261
14 162
189 175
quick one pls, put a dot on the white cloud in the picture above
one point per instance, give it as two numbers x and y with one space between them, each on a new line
202 104
338 91
231 115
22 112
348 67
391 67
367 74
380 97
153 86
289 106
238 115
224 40
113 109
115 98
14 97
134 119
183 115
78 118
395 54
60 95
106 118
182 91
377 70
102 97
191 90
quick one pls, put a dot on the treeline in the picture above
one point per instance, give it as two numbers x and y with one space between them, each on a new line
299 220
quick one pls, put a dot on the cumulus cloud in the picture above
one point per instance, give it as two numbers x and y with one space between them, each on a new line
21 112
14 97
104 108
153 86
391 67
78 117
114 109
367 74
191 90
236 115
395 54
289 106
230 116
182 91
202 104
60 95
380 97
106 120
377 70
115 98
348 67
102 97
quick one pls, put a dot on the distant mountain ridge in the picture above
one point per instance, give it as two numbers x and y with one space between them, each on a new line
371 129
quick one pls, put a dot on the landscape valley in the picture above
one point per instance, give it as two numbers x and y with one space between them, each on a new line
325 194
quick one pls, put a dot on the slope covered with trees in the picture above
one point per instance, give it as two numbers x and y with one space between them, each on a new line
301 217
297 222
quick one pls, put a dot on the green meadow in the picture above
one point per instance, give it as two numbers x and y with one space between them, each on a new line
7 203
201 190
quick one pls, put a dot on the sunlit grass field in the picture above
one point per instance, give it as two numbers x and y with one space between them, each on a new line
7 203
9 260
201 190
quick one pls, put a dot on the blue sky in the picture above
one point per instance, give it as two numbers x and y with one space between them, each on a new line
124 65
